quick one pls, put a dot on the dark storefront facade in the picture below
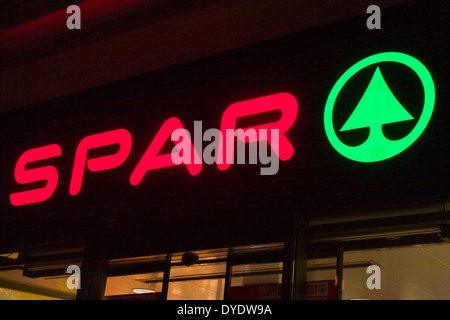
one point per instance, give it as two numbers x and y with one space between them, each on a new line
352 185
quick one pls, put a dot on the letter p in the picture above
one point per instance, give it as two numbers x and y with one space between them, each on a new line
119 136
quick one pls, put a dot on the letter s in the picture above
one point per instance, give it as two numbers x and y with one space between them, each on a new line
47 173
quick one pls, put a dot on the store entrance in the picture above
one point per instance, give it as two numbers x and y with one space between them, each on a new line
252 272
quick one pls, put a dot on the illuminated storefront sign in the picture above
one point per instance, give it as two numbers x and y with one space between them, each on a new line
379 106
370 128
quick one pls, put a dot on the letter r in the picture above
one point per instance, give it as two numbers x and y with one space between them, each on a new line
284 102
119 136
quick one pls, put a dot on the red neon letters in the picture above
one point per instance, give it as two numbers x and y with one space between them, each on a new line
48 173
151 159
120 136
284 102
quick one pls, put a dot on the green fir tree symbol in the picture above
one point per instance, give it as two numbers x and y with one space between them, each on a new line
377 106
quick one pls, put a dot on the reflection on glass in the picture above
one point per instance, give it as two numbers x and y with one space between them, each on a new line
15 286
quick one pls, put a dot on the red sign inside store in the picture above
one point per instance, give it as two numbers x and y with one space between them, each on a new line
321 290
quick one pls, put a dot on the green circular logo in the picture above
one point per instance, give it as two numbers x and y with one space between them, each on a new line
379 106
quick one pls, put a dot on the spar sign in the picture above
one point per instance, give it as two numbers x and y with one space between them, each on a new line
378 107
184 152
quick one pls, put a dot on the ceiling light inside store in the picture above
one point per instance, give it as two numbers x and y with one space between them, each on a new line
143 290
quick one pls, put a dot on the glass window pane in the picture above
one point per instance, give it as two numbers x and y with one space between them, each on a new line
320 279
205 289
15 286
203 281
405 273
256 281
144 286
321 269
198 270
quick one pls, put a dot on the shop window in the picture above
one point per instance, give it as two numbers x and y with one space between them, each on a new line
413 272
144 286
199 275
205 281
15 286
419 272
256 281
205 289
46 273
321 279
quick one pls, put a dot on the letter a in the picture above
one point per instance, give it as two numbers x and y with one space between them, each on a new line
152 160
374 21
74 21
73 281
